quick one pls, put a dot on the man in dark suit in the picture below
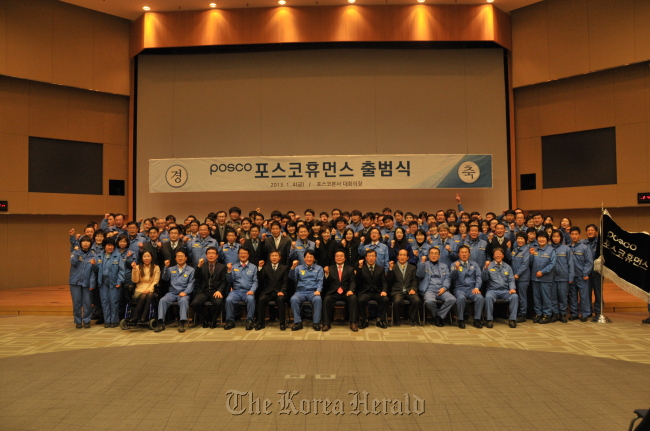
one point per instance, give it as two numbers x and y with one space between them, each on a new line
170 247
272 278
221 228
404 285
277 242
341 282
210 285
500 240
372 285
256 249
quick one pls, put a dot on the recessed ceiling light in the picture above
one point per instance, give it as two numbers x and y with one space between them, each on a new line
213 5
420 1
351 1
146 8
282 2
490 1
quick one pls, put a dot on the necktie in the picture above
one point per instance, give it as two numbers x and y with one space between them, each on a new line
403 269
275 267
340 290
211 268
255 245
372 270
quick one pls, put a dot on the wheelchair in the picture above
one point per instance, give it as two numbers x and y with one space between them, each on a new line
131 303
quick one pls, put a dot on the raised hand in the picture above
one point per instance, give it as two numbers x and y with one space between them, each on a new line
391 265
186 238
317 243
71 232
294 264
261 263
343 242
229 266
130 253
424 259
457 263
133 265
167 263
392 243
487 263
201 261
458 197
327 271
141 245
293 245
416 253
363 240
361 263
93 261
159 244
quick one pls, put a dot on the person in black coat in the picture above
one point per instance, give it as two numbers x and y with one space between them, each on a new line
350 246
272 281
256 249
325 248
209 285
371 284
404 285
283 243
340 287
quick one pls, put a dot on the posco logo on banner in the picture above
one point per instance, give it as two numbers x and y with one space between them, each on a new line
176 176
231 167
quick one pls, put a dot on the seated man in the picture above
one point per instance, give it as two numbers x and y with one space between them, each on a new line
372 285
210 286
467 276
181 284
242 277
404 285
309 285
272 279
341 287
434 285
501 285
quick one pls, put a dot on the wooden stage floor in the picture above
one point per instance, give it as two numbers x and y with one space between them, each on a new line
55 301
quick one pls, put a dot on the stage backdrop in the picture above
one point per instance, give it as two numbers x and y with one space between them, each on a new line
377 104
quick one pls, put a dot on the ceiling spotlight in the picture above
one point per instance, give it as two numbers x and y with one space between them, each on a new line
282 2
490 1
213 5
351 1
146 8
420 1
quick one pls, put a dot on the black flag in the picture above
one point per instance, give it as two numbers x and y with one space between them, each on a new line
626 256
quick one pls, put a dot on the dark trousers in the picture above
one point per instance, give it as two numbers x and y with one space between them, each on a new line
416 305
263 302
141 310
382 302
596 287
198 305
351 302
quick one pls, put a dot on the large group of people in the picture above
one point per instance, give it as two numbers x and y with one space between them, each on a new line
444 262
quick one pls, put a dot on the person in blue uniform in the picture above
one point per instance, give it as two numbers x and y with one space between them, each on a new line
308 278
563 276
595 282
520 260
108 277
448 249
375 244
467 278
82 261
242 278
301 246
542 271
199 245
501 285
181 285
434 285
583 263
229 251
476 246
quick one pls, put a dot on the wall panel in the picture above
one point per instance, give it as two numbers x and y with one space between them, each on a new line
568 37
530 45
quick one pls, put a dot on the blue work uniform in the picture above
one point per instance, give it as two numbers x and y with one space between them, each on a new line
108 277
595 282
242 279
477 250
583 263
447 256
382 253
500 281
181 280
355 227
308 279
520 260
387 235
197 248
298 251
543 287
229 253
467 277
422 250
433 277
81 271
563 276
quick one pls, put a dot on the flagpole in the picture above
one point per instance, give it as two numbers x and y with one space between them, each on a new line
602 318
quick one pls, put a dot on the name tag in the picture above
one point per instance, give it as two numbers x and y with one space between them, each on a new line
174 272
299 248
236 270
493 270
460 269
185 275
505 273
302 272
99 260
115 262
249 272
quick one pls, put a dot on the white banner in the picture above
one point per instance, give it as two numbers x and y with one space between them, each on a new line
384 171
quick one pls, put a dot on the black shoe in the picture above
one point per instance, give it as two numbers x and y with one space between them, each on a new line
296 326
325 328
206 324
584 319
537 319
181 327
283 326
521 319
595 319
316 326
364 324
411 322
554 318
249 324
229 325
488 324
563 318
572 318
214 324
512 323
397 323
545 320
381 324
439 322
160 327
86 325
646 321
107 325
477 324
79 326
100 320
461 324
260 326
195 324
